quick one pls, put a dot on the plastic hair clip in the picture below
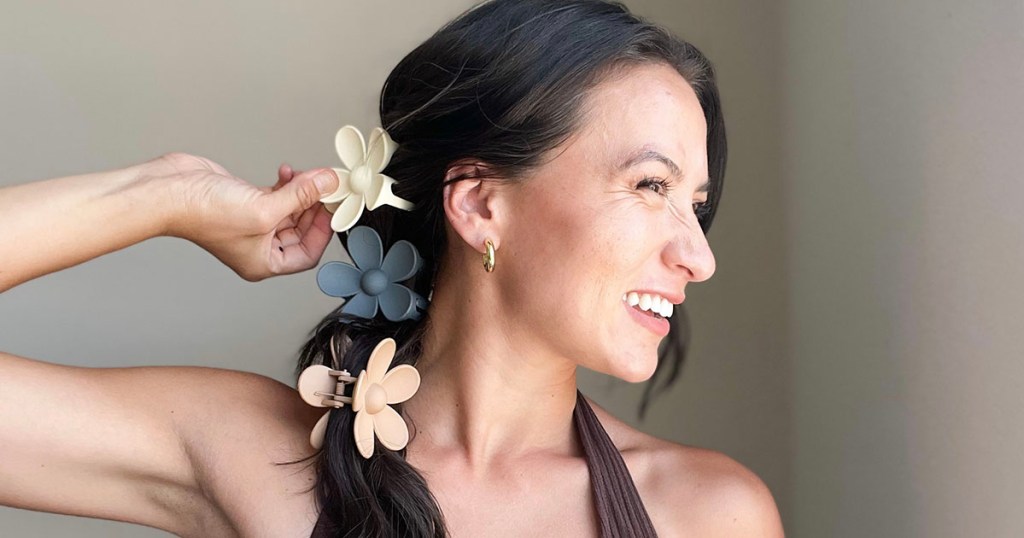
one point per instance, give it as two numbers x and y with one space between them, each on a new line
374 279
376 389
362 184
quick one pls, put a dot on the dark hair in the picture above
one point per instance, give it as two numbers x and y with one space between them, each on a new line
502 84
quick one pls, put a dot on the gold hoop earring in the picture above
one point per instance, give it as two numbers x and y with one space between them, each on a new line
489 256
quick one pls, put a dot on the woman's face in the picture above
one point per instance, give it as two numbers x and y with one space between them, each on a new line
609 215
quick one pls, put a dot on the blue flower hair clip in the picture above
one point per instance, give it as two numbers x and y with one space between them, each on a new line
374 279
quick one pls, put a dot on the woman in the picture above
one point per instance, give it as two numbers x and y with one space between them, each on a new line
579 149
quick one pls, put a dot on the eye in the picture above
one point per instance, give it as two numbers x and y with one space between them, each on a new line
701 208
655 184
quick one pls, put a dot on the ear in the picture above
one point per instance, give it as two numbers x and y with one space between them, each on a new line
475 206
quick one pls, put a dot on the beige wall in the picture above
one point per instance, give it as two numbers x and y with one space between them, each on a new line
902 163
855 348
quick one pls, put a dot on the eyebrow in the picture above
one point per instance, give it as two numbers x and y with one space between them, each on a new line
651 155
645 155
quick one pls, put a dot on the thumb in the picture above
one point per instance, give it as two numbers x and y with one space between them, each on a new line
303 191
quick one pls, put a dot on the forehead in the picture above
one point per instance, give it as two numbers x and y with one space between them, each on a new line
647 107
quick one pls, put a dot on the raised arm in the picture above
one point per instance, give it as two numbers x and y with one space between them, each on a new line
121 443
258 232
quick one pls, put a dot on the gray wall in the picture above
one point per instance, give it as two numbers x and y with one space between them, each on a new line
855 347
902 162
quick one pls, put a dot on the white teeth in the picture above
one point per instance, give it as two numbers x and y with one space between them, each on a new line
650 303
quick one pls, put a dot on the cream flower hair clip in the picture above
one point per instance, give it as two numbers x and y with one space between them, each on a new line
376 389
363 184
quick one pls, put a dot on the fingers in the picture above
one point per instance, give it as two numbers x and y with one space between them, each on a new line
301 247
303 224
299 193
284 174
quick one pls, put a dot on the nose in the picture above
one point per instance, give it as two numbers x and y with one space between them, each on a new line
689 251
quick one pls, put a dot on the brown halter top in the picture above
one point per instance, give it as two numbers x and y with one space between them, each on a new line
619 508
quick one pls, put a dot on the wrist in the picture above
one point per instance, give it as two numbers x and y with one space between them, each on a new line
158 185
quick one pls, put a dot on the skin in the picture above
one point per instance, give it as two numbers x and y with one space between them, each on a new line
493 431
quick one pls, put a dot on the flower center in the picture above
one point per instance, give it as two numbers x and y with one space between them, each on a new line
376 399
373 282
359 180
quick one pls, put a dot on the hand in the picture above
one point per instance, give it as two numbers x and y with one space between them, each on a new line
256 231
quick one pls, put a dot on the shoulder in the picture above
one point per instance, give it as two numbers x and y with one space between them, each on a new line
694 491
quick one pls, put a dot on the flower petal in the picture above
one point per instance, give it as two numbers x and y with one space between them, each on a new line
343 189
365 248
402 261
391 429
338 279
359 392
331 208
375 195
401 383
380 360
363 431
361 305
316 438
379 150
348 213
350 146
397 302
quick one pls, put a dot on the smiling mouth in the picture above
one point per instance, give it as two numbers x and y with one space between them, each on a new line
650 304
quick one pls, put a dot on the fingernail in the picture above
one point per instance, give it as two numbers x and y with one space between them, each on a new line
325 182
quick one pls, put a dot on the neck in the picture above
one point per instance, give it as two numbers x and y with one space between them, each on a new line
488 390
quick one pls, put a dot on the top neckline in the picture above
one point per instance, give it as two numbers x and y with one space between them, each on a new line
620 509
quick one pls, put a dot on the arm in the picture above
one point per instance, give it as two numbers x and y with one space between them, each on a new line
115 443
139 444
54 224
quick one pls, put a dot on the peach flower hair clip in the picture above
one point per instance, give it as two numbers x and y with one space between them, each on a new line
376 389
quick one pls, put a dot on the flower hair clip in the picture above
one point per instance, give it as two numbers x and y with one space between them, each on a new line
362 184
376 389
374 279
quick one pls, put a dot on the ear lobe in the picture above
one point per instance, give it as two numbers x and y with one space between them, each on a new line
471 204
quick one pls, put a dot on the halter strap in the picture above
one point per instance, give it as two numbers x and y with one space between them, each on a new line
618 503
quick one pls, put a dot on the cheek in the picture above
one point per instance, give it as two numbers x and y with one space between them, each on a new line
570 264
560 256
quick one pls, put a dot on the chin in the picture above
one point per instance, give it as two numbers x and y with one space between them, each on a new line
633 369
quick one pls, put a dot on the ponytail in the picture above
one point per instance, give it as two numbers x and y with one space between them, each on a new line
382 495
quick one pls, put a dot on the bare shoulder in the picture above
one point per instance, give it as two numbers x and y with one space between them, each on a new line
692 491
